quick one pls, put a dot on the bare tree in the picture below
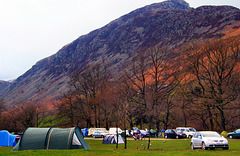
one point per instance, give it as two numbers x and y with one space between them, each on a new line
89 84
213 64
127 92
41 113
137 77
25 114
163 70
66 108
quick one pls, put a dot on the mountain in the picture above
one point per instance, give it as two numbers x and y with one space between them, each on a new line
4 84
171 23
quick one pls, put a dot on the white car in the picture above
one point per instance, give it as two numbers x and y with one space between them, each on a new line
208 139
189 131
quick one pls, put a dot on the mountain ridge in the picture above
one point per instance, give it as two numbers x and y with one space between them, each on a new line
118 41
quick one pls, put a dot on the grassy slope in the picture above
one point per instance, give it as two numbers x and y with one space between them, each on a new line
158 147
50 121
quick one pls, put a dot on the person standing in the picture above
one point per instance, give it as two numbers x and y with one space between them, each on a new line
157 133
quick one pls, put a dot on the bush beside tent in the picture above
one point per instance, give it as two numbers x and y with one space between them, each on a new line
51 138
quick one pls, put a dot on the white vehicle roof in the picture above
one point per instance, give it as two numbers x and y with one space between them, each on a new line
208 132
185 127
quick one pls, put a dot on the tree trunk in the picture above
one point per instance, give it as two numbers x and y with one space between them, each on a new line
167 118
99 117
125 139
185 118
95 115
117 135
157 124
149 138
223 125
107 126
125 136
211 118
131 122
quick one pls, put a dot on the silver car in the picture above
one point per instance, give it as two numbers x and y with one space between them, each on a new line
208 139
99 134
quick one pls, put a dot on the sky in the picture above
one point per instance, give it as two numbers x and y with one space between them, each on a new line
31 30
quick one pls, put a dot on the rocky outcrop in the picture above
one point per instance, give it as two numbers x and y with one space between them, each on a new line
3 85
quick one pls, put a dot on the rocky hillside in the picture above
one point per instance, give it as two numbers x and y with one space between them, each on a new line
171 23
4 84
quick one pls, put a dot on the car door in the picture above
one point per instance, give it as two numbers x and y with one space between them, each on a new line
194 139
234 135
173 134
197 139
237 134
168 133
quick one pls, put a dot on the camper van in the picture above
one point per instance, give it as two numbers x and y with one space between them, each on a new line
114 130
92 130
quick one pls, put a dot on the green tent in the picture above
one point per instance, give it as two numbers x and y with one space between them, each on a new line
51 138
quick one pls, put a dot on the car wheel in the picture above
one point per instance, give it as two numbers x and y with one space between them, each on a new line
177 137
192 146
204 146
230 136
225 148
189 136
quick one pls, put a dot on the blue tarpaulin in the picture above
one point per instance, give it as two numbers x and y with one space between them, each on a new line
7 139
85 132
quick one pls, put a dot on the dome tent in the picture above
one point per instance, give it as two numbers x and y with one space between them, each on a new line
51 138
112 139
7 139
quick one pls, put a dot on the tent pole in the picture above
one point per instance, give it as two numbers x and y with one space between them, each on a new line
125 138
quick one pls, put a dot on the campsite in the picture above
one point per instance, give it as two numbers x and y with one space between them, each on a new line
158 147
162 79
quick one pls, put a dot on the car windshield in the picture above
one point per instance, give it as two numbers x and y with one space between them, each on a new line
192 130
237 131
179 129
211 135
135 128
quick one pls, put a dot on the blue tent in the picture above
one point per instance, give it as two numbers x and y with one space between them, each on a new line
85 132
7 139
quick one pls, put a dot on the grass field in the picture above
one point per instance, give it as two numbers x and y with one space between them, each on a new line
158 147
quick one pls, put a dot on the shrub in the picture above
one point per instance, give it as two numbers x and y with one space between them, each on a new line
224 134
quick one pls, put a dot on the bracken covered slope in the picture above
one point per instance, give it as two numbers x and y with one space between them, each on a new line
171 23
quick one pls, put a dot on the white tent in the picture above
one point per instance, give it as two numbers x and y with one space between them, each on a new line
75 140
112 139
